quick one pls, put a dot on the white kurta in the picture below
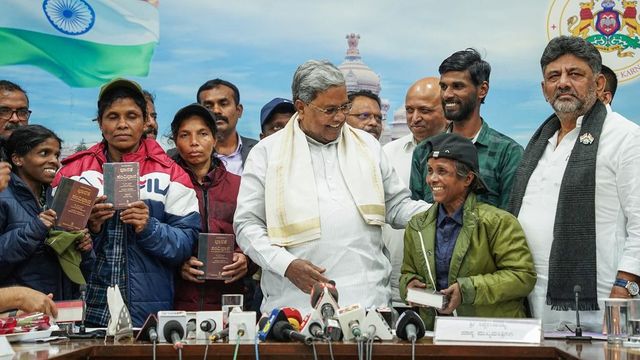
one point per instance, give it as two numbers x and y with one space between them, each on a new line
617 210
400 153
350 250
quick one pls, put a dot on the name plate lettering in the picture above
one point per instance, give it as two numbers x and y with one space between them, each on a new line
487 330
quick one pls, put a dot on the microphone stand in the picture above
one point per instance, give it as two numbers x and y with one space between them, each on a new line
578 333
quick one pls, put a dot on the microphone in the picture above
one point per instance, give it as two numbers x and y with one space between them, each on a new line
293 316
283 331
266 330
324 299
350 318
318 290
173 331
315 329
220 335
313 325
153 334
208 325
149 330
333 331
577 289
410 326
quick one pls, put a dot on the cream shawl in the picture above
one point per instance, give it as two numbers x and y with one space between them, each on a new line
291 195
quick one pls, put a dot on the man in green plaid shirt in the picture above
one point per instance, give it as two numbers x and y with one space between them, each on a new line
464 84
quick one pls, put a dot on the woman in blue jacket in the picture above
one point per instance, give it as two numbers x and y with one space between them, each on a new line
139 248
25 259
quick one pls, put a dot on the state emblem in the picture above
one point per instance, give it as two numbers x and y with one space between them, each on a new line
612 26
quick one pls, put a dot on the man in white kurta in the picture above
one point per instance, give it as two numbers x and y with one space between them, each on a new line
570 86
617 214
348 250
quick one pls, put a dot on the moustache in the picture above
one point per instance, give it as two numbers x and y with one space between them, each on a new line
564 92
222 118
12 126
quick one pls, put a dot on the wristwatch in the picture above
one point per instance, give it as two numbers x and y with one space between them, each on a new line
631 286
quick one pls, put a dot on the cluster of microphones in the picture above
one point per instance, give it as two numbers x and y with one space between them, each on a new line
327 322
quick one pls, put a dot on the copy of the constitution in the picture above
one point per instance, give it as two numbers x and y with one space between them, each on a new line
427 297
72 203
215 251
121 183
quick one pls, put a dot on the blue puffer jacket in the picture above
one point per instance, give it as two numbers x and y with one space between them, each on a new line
152 256
24 258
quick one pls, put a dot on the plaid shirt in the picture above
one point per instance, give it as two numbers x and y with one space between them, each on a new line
110 254
498 158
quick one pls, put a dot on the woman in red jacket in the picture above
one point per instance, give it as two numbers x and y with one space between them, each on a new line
193 130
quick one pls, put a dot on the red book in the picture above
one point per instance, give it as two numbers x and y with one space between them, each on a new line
72 203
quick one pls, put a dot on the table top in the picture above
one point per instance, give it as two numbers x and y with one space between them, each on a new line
97 349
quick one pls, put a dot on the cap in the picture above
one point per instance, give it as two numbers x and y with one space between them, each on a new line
277 104
63 243
194 109
455 147
120 82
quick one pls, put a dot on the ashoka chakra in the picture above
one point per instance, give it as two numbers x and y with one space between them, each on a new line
71 17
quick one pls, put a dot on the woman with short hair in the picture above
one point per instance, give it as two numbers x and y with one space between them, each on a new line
472 252
193 130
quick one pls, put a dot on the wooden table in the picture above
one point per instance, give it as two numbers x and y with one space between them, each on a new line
392 350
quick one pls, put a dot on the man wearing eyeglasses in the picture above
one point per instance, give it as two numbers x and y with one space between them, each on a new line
14 108
365 112
314 197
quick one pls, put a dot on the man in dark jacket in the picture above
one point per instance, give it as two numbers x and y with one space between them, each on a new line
223 99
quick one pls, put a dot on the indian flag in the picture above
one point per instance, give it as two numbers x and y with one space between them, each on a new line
85 43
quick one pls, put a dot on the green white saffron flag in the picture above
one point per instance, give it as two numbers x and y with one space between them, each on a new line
85 43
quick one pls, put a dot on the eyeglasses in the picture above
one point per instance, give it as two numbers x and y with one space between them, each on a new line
331 111
366 115
22 114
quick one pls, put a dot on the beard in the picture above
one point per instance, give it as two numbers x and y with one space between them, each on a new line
575 105
464 111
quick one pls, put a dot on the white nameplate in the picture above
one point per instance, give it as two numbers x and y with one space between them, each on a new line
487 330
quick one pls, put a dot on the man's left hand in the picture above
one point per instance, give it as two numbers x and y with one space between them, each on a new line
136 214
455 298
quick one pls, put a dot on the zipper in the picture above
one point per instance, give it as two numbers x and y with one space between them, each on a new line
205 226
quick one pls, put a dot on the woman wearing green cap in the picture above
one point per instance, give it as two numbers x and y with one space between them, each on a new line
472 252
25 258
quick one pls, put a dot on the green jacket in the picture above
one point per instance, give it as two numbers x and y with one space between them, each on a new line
491 261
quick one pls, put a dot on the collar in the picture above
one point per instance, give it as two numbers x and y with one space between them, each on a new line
581 118
239 148
442 215
480 137
409 143
215 174
148 149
